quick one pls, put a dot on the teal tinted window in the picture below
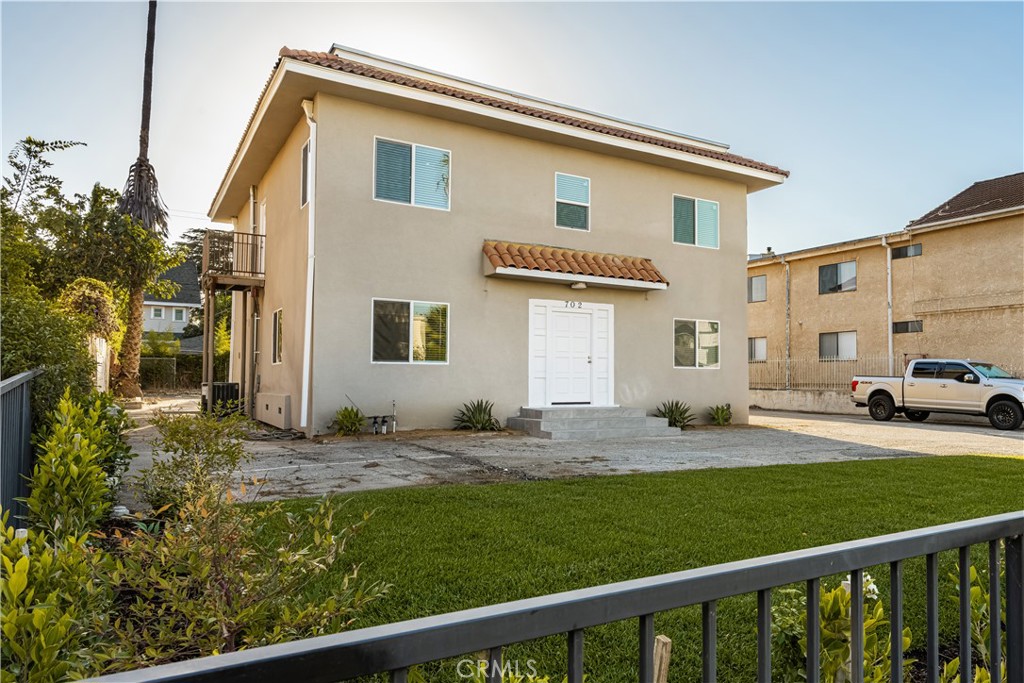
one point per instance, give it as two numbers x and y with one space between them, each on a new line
393 177
684 220
431 186
572 201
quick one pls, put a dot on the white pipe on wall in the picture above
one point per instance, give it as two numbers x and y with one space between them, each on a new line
307 333
888 299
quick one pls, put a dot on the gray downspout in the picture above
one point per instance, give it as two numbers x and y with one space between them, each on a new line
788 342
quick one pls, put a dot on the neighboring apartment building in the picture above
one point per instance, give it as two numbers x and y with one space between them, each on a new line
950 284
172 314
413 237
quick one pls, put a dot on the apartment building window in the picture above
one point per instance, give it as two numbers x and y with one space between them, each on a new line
907 251
837 346
837 277
757 288
572 201
157 313
695 221
178 315
409 332
277 342
412 174
696 344
304 192
757 349
908 326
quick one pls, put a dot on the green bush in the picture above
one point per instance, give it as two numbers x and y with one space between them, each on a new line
115 423
349 420
677 412
160 345
69 494
721 415
477 416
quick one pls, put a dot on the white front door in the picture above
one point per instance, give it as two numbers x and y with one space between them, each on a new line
570 357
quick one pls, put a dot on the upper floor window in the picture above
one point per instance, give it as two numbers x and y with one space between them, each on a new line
837 346
409 332
907 251
179 315
304 191
157 313
572 201
757 288
412 174
837 277
695 221
696 344
908 326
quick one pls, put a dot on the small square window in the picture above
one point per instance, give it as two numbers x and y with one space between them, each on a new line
572 201
695 221
412 174
409 332
757 288
907 326
837 277
696 344
837 346
908 251
157 313
757 349
179 315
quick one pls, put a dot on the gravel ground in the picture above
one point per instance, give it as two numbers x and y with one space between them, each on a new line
310 467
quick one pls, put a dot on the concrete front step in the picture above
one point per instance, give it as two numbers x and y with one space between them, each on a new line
590 424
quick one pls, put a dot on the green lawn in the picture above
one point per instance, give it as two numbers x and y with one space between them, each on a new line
447 548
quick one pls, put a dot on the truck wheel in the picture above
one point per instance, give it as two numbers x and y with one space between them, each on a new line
881 407
916 415
1005 415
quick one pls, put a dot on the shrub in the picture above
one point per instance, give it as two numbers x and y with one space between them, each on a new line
94 301
477 416
160 345
721 415
677 412
349 420
192 456
115 423
981 624
69 493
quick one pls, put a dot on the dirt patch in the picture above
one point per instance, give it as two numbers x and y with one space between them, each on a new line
417 434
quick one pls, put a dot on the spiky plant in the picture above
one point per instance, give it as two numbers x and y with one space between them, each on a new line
477 416
677 412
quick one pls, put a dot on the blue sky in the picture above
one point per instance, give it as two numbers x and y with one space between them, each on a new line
880 110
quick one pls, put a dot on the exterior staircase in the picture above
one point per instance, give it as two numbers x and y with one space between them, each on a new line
585 423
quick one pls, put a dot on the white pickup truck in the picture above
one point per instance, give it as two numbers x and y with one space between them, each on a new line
944 386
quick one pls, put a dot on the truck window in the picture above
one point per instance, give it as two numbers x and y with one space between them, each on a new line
925 370
954 371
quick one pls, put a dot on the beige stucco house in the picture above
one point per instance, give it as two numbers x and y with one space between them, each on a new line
411 237
949 285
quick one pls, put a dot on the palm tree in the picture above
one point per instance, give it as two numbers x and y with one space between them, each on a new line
141 202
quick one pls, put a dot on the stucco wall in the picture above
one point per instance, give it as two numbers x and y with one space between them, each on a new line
502 187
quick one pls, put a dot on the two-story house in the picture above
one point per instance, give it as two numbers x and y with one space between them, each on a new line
411 237
172 314
949 285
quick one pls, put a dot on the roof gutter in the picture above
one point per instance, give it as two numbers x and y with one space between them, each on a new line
953 222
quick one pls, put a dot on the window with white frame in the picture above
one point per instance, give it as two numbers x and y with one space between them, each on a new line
696 343
757 349
837 277
178 315
277 341
837 346
757 288
694 221
409 331
572 201
411 174
157 313
304 190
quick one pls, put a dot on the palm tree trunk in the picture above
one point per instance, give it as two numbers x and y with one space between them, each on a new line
126 383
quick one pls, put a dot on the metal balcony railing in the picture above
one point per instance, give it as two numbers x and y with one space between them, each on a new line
237 254
394 648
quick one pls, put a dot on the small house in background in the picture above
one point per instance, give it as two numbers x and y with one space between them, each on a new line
470 242
172 314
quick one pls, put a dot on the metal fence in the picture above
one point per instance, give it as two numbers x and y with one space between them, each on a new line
815 373
16 456
396 647
156 372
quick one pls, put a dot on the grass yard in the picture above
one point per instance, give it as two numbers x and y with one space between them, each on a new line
448 548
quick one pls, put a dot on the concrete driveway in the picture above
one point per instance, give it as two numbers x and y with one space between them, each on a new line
310 467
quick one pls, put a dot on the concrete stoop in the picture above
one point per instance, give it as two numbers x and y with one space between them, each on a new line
583 423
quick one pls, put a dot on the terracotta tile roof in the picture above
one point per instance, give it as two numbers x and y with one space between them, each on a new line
357 68
983 196
571 262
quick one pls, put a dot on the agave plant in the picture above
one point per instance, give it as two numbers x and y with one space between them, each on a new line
721 415
477 416
349 420
677 412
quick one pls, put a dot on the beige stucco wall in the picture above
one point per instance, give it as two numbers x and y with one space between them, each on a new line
502 187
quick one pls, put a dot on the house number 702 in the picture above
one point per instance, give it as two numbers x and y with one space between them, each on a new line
574 304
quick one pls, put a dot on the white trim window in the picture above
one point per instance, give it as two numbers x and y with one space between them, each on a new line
757 288
837 277
157 313
837 345
277 339
406 173
572 202
694 221
409 332
696 344
304 175
178 315
757 349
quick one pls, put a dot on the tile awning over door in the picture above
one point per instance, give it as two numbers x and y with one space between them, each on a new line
566 266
